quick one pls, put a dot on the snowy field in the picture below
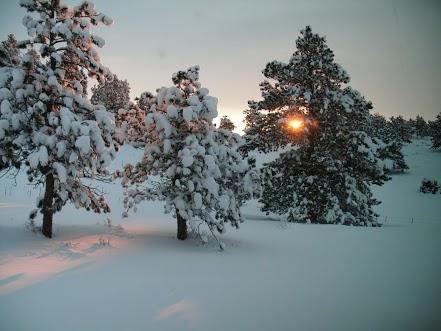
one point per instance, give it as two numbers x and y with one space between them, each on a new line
134 275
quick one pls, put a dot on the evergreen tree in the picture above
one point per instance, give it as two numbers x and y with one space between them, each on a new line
389 148
327 177
391 155
421 127
378 126
399 130
201 174
143 99
9 52
113 95
46 125
435 132
411 123
264 131
75 75
128 122
226 123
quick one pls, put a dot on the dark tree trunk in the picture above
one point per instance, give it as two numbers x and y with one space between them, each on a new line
182 226
48 203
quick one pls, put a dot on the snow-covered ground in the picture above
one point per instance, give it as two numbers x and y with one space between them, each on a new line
272 275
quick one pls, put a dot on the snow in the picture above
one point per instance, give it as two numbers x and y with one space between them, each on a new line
4 125
83 143
52 81
61 148
271 275
6 108
98 41
187 112
307 96
197 200
57 57
172 112
39 157
18 76
61 171
161 122
224 202
167 146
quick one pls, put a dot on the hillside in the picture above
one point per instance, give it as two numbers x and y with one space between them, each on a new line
134 275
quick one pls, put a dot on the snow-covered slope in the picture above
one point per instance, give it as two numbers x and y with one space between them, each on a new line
272 276
401 198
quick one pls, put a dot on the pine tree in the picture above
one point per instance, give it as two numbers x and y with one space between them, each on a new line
264 131
326 178
411 123
226 123
9 52
399 130
46 125
143 99
389 148
391 155
201 174
421 127
113 95
378 126
75 75
435 132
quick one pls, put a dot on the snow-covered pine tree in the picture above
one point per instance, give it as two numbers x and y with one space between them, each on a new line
327 177
411 124
128 121
226 123
9 52
421 127
46 125
378 126
76 75
398 129
435 131
264 131
188 163
114 95
143 99
392 156
389 149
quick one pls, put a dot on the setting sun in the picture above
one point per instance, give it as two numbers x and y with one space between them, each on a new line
295 124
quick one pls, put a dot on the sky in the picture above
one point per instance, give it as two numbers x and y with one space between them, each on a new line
390 48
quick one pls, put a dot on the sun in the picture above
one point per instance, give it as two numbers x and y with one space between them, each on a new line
295 124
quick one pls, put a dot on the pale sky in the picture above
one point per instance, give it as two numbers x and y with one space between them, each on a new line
390 48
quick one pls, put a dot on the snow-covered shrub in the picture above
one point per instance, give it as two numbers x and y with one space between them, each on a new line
429 186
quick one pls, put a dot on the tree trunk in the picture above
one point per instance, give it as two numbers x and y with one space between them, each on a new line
48 202
182 226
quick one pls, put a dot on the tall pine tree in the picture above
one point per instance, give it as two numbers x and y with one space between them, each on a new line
398 129
326 178
435 132
421 127
46 125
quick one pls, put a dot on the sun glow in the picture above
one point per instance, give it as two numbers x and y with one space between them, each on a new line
295 124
